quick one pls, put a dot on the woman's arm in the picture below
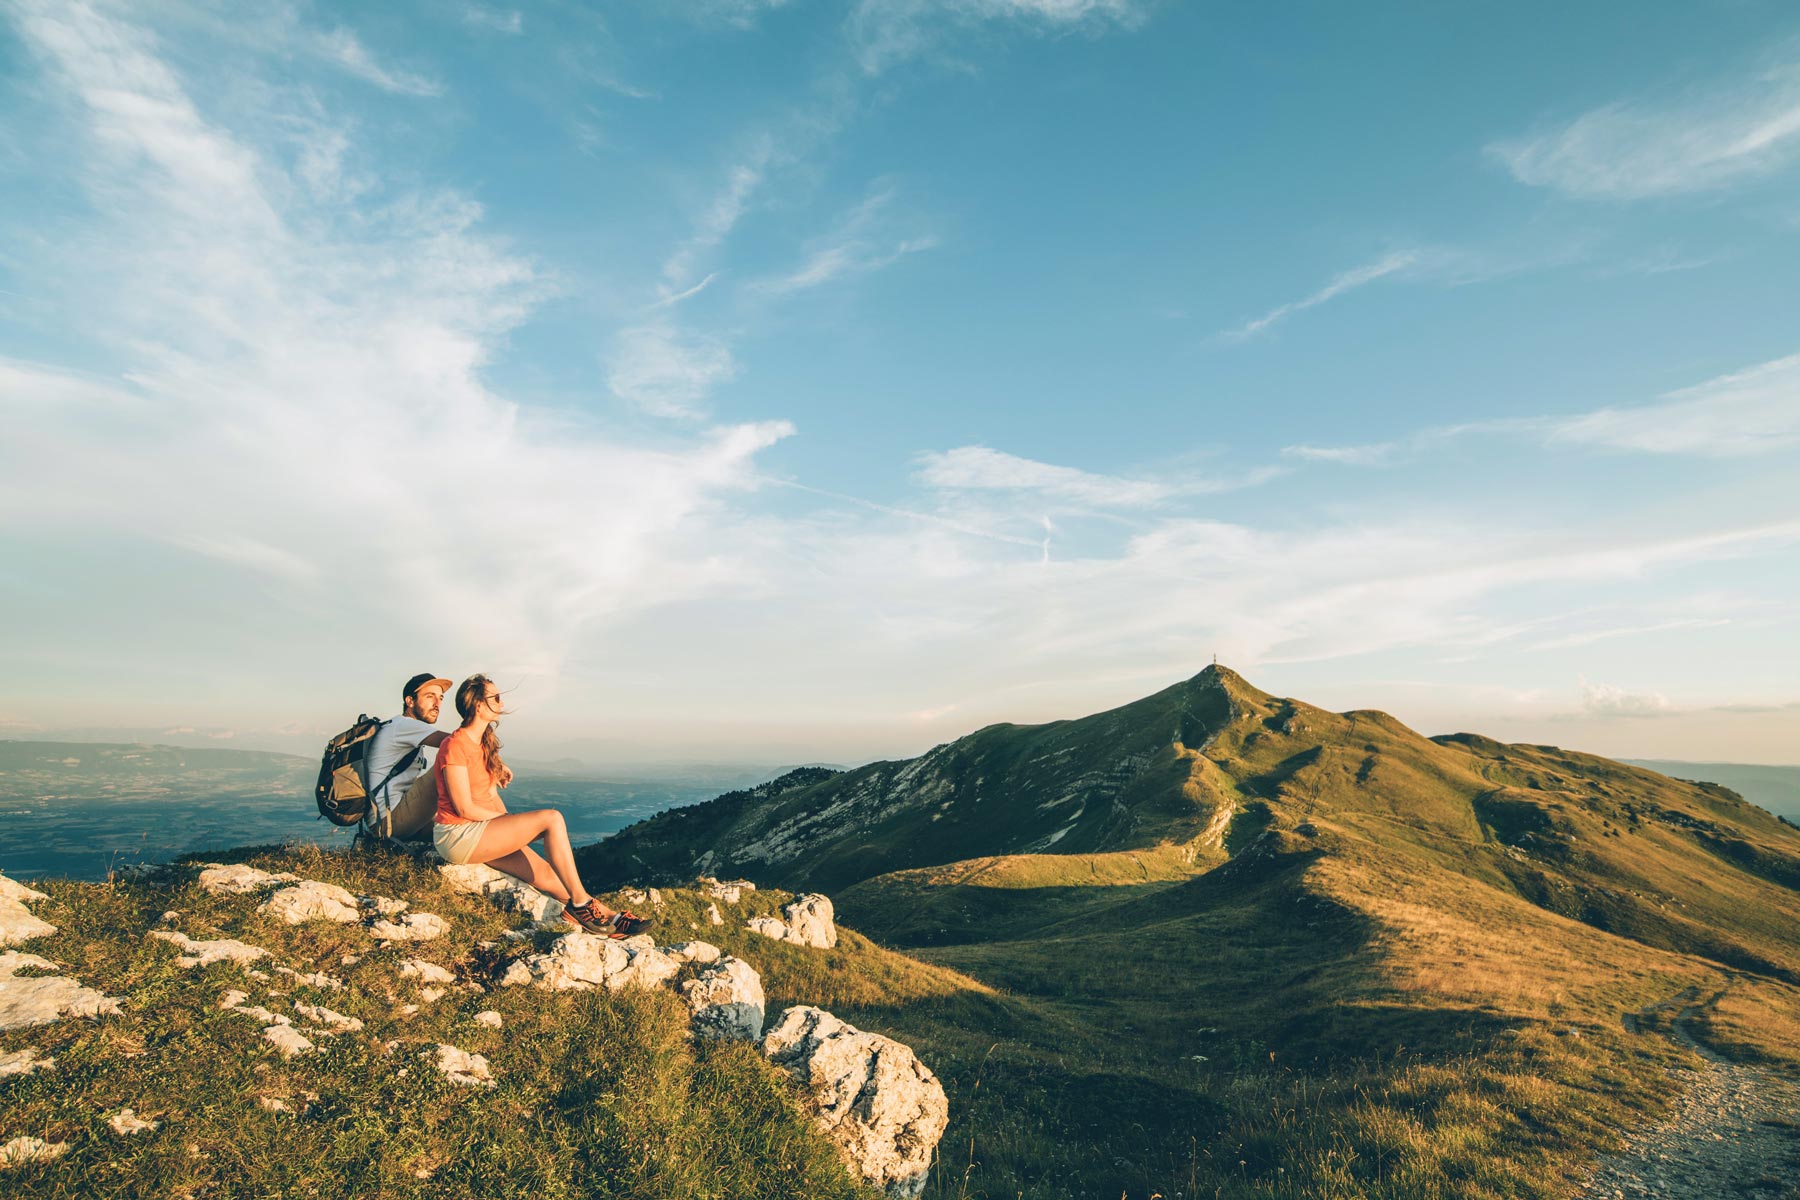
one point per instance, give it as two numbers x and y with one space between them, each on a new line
456 782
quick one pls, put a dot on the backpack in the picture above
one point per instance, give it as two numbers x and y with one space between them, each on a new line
343 792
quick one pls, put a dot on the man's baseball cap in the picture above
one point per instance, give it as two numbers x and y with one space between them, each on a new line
418 681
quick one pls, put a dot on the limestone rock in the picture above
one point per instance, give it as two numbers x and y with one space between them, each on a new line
24 1062
238 879
330 1022
199 954
694 952
125 1122
383 906
22 1150
426 972
261 1015
459 1066
507 893
431 995
413 927
807 921
316 979
577 961
811 921
38 1000
287 1039
713 916
233 998
876 1102
310 900
12 889
726 1000
490 1018
18 924
275 1105
730 892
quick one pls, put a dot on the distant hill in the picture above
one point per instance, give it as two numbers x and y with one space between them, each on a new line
1774 788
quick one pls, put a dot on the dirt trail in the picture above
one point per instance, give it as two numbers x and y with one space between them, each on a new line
1735 1132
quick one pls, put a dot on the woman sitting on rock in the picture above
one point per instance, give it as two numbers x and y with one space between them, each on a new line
473 825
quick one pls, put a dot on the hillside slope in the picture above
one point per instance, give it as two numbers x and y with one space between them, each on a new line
1213 882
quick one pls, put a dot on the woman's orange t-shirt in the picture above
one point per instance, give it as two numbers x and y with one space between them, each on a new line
461 750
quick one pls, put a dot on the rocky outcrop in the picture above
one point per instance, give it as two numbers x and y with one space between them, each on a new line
507 893
17 923
578 961
199 954
807 921
217 879
310 900
40 999
881 1106
24 1062
726 1000
729 892
413 927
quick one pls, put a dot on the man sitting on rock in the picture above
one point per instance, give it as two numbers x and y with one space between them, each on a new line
403 806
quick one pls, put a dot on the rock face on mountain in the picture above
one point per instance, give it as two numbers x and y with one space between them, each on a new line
1121 779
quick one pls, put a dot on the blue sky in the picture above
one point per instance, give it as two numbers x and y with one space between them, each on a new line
774 381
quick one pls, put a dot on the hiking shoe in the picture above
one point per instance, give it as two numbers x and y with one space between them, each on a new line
625 924
588 917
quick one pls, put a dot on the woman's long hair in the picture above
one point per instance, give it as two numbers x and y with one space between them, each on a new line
468 697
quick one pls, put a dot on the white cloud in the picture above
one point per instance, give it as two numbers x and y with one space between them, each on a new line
1749 412
1381 268
886 32
509 21
665 372
1608 700
303 401
979 468
1702 142
344 48
1755 411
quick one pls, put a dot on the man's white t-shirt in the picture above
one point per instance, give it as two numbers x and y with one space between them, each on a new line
391 743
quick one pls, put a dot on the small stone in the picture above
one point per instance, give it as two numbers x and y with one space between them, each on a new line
490 1019
199 954
237 880
233 998
426 972
310 900
274 1105
349 960
694 952
24 1062
713 916
22 1150
413 927
333 1022
431 995
287 1039
125 1122
459 1066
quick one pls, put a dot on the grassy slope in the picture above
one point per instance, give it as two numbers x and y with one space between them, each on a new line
597 1095
1408 981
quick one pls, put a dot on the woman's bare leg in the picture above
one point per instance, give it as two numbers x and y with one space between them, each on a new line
515 831
527 864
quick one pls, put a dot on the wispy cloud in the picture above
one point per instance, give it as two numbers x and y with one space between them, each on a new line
886 32
1609 700
665 372
1746 413
509 21
1388 264
293 359
979 468
344 48
862 242
1699 142
1755 411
